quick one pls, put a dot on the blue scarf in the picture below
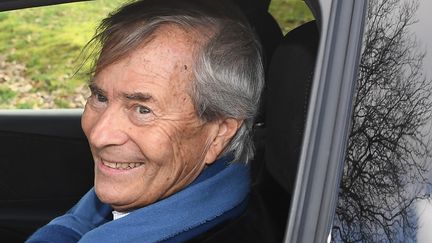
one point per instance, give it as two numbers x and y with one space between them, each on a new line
220 189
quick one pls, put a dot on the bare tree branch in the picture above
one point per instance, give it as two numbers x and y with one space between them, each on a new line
389 147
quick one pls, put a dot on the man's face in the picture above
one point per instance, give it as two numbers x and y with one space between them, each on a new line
145 137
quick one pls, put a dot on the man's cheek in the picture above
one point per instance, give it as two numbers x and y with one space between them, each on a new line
88 120
85 122
156 144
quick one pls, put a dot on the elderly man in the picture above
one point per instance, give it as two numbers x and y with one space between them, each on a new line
174 93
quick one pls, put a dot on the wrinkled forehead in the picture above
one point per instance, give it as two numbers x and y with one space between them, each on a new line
169 54
124 42
161 68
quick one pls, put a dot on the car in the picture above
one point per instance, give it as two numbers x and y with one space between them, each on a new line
343 137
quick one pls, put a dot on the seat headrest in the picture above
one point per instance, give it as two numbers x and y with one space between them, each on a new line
288 86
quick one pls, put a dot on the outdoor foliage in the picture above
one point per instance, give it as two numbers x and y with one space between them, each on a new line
290 13
388 154
40 50
39 53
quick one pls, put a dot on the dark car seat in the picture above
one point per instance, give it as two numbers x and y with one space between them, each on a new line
288 91
270 35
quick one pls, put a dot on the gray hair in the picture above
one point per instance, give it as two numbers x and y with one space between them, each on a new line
228 70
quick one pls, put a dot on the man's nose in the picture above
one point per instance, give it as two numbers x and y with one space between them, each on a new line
109 130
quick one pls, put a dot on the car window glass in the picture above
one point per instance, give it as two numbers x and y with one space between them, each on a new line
384 193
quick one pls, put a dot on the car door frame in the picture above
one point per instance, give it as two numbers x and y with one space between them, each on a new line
329 112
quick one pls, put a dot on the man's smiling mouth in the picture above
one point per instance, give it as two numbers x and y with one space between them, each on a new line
122 165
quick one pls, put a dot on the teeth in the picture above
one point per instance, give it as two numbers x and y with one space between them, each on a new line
122 166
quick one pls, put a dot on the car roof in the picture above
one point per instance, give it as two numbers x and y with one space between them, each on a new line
19 4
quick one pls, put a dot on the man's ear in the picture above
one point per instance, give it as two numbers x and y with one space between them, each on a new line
226 129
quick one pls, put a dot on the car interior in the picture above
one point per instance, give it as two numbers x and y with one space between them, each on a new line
46 165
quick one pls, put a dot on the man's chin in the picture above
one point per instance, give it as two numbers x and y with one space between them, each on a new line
110 196
121 202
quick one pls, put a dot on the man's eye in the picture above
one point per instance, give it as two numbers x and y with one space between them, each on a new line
142 109
101 98
141 114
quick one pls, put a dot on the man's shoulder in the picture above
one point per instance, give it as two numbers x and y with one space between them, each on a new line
54 233
253 225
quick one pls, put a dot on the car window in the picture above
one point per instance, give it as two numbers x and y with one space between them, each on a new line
384 193
40 50
290 14
40 54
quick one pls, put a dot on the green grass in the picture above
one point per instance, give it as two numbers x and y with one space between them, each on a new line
48 41
6 95
290 13
25 105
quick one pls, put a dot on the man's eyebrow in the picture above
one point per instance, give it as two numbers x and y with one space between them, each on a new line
139 96
96 89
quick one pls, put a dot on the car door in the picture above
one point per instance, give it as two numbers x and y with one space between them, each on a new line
365 169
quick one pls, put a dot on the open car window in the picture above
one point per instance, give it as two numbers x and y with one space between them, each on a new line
41 63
